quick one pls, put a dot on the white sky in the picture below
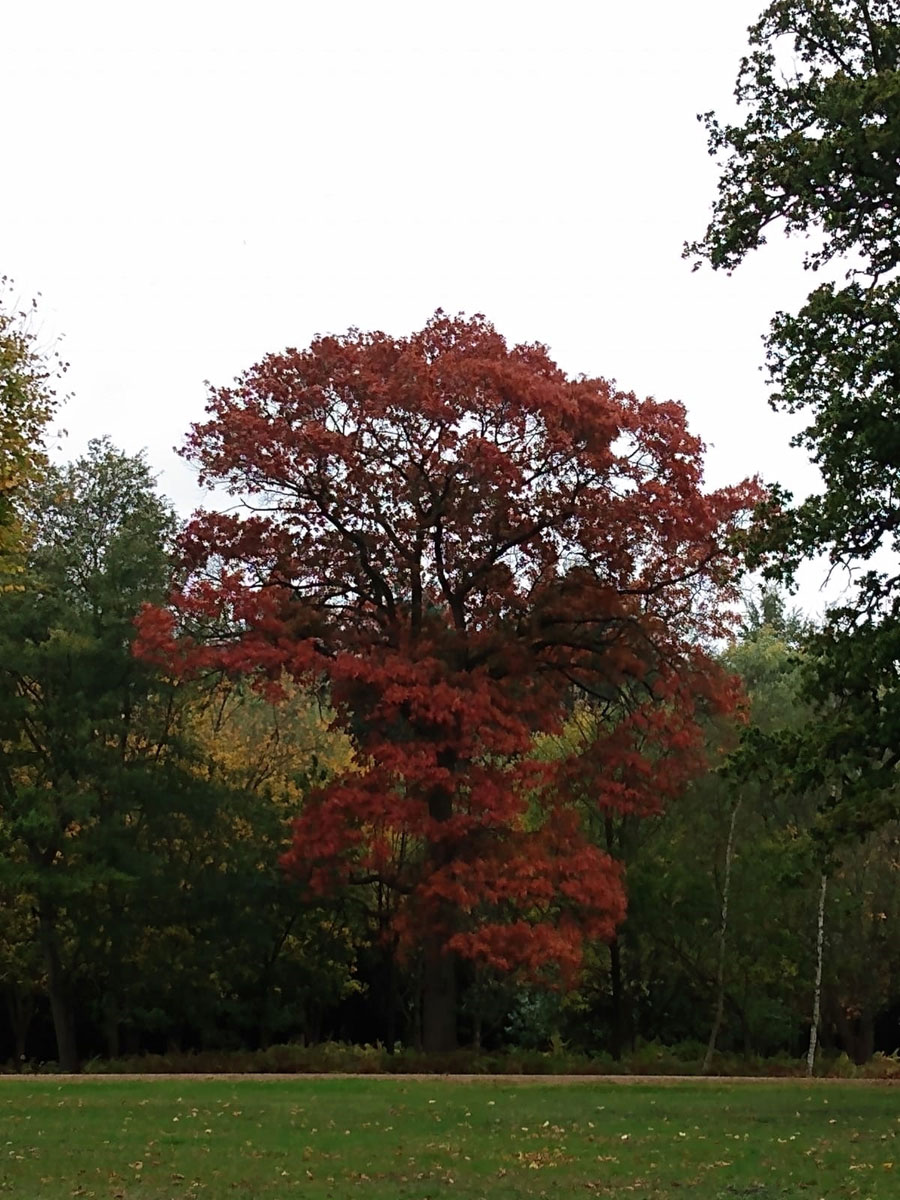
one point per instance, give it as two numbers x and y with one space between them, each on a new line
192 185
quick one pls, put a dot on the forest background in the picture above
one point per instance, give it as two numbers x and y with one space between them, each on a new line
148 799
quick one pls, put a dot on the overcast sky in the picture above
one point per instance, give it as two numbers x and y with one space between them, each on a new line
192 185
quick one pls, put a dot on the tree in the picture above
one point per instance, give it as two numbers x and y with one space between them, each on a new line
264 756
615 812
817 151
82 722
459 539
861 968
27 402
723 884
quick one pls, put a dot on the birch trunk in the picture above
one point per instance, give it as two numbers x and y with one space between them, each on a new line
817 996
723 935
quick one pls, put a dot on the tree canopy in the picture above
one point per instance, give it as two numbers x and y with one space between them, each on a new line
459 538
816 150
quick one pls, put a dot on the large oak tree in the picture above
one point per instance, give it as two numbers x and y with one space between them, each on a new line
458 539
815 151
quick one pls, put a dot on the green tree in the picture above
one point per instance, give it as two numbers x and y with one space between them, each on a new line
721 918
862 962
816 150
82 722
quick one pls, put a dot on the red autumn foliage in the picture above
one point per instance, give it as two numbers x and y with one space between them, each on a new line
461 540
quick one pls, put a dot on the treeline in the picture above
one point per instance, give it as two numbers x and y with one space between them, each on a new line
143 817
496 775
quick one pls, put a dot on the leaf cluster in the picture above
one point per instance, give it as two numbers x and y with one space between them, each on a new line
28 401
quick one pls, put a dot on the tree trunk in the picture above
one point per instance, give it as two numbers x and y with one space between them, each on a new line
864 1041
20 1006
857 1033
417 1006
723 935
60 1006
817 995
390 1000
264 1006
439 990
615 847
615 975
111 1027
438 996
264 1035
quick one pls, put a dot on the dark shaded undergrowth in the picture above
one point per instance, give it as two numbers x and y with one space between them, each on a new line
342 1058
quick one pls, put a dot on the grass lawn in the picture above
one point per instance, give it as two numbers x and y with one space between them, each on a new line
404 1139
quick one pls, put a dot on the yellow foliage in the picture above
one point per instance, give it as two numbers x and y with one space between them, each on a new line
27 403
258 744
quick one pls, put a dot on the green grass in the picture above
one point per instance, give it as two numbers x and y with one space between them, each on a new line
407 1139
